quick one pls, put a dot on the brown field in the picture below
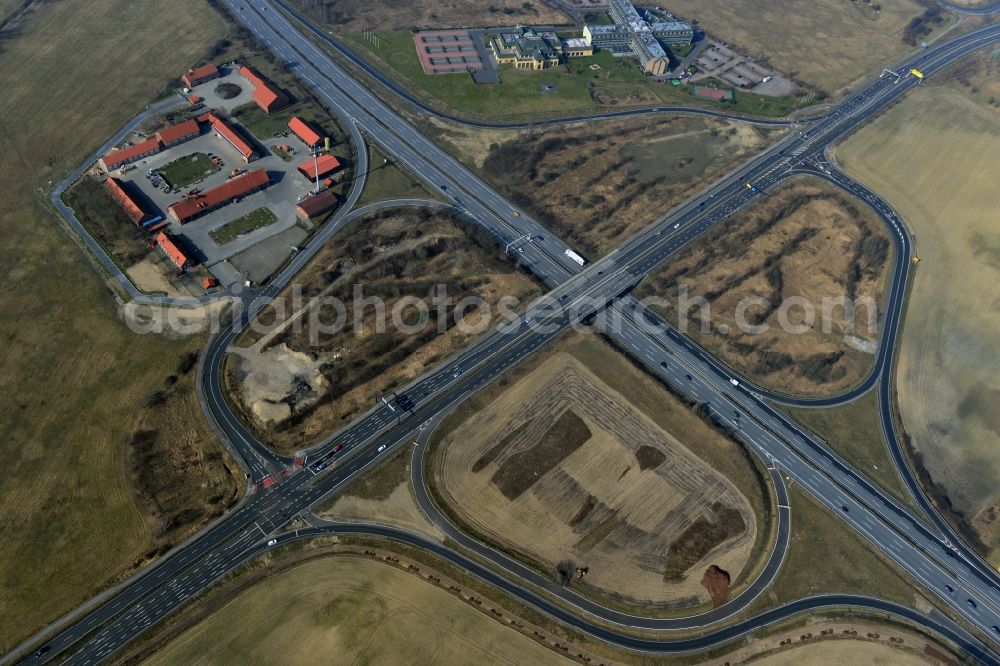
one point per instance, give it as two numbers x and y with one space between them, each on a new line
977 75
837 651
826 45
557 467
358 15
296 387
805 240
359 610
935 157
75 381
597 184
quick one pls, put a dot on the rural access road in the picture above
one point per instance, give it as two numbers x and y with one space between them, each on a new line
488 364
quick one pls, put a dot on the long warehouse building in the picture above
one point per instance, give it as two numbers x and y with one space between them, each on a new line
195 206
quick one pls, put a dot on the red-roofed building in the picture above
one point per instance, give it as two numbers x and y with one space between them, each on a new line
302 130
120 194
267 96
191 207
327 165
177 134
230 135
200 75
174 253
316 205
119 158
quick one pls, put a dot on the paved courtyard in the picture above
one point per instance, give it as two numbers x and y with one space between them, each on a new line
213 101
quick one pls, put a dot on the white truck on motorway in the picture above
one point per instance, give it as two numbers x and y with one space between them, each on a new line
575 257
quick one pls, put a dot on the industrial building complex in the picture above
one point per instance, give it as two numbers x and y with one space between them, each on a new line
183 183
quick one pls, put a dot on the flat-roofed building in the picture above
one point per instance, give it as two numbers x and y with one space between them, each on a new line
672 33
577 47
631 34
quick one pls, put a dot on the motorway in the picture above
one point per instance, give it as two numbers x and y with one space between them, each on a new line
577 293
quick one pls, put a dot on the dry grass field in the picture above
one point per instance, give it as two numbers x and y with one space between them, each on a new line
935 156
827 45
805 240
559 466
597 184
836 652
75 384
296 383
356 611
358 15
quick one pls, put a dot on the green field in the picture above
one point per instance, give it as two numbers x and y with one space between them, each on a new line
522 94
827 556
361 611
75 380
387 180
188 169
255 219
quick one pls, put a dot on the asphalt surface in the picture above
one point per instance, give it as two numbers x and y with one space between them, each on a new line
577 294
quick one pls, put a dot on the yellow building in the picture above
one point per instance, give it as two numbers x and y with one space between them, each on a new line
523 48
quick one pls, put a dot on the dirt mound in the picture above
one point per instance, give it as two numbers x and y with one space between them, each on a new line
716 581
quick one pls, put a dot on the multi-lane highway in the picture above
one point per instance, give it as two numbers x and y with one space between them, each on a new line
577 293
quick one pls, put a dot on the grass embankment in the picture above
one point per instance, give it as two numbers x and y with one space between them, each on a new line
74 379
524 95
853 430
255 219
935 157
793 337
825 45
388 180
106 221
597 184
186 170
827 556
306 380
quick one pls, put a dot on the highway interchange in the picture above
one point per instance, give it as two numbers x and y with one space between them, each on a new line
599 290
